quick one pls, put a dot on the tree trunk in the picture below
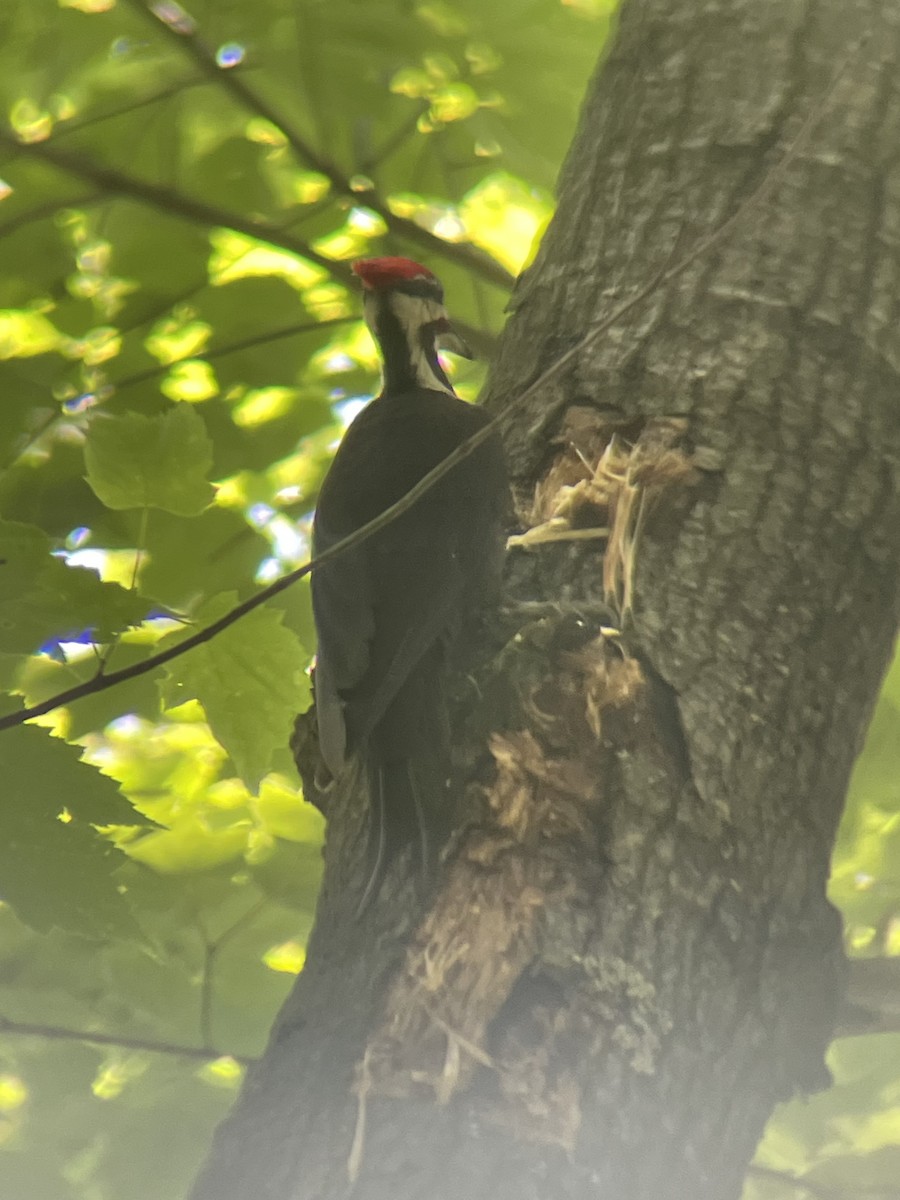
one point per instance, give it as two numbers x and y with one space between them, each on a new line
629 958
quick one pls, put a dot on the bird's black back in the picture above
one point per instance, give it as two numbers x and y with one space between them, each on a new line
389 611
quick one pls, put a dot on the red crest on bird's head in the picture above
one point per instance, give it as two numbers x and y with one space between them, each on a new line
378 273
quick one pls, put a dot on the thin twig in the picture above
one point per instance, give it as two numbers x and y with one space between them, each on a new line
247 343
171 201
212 947
61 1034
394 140
33 438
667 275
43 211
64 128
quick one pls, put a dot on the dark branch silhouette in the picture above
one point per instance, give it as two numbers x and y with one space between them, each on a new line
173 202
257 339
193 45
60 1033
44 211
169 93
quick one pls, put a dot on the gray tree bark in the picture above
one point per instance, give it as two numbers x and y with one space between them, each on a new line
629 958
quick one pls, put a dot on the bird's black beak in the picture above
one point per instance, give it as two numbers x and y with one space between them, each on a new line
449 339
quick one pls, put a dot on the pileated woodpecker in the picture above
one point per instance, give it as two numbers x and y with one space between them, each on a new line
389 611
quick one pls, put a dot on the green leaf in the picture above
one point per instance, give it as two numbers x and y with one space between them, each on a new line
135 461
194 558
251 680
41 598
55 870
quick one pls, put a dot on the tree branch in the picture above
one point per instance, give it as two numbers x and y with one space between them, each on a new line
43 211
70 127
62 1034
258 339
467 256
212 947
170 201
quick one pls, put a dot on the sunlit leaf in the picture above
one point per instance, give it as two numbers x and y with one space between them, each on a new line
89 6
285 815
177 339
288 957
25 333
13 1093
223 1072
454 103
236 256
192 381
504 217
263 404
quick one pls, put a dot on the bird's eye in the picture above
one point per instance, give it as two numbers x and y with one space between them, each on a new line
425 287
432 284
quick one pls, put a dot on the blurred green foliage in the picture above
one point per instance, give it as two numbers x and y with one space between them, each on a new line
846 1141
180 349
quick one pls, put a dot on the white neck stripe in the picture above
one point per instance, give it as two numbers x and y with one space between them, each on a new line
413 312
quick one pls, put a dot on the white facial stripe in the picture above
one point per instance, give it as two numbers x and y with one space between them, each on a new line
413 312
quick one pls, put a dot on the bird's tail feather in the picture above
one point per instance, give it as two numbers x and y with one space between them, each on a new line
407 764
403 809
